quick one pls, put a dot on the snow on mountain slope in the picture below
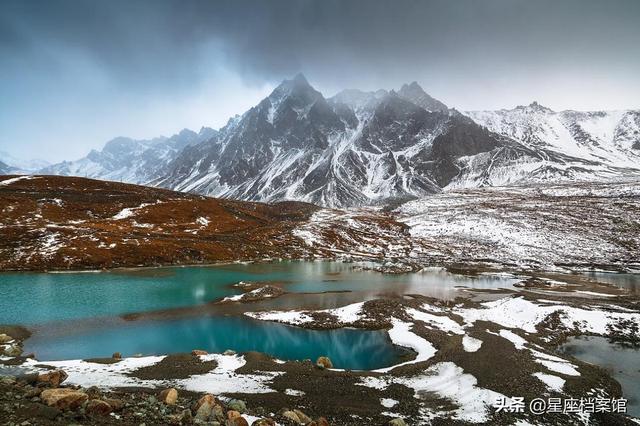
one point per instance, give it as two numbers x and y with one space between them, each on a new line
5 169
608 137
128 160
20 165
356 148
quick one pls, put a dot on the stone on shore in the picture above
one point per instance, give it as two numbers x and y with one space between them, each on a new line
291 416
98 407
303 417
63 398
53 377
264 422
324 362
397 422
5 338
116 355
169 396
237 405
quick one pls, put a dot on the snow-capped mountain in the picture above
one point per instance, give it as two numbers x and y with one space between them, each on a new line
358 148
608 137
22 166
129 160
6 169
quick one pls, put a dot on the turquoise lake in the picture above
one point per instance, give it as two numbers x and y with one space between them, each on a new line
88 314
347 348
35 298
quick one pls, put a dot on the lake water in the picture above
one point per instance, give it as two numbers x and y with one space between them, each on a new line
83 315
347 348
623 362
629 282
33 298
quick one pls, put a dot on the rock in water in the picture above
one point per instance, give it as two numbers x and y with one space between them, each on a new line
5 338
53 378
324 362
199 352
397 422
169 396
63 399
116 355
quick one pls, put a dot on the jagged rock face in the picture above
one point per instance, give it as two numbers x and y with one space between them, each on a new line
129 160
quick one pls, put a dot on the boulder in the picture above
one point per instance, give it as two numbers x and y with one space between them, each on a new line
5 338
232 414
169 396
291 416
397 422
98 407
208 398
229 352
182 418
237 421
321 421
116 355
53 377
264 422
115 404
197 352
63 398
12 350
324 362
237 405
203 407
303 417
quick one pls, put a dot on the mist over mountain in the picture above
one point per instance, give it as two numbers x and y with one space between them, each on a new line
359 148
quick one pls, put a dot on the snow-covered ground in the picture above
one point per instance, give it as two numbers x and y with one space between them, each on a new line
542 226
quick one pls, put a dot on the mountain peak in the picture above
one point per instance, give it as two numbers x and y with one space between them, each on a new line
414 93
534 107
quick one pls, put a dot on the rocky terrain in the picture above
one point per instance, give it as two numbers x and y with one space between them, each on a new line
73 223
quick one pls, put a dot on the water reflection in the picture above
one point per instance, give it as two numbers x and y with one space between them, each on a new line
347 348
629 282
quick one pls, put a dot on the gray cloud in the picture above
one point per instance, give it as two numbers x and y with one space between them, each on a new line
136 63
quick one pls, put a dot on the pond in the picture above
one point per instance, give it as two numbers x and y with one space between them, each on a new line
629 282
347 348
93 314
622 361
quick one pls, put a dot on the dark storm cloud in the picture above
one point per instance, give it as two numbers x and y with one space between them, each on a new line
60 59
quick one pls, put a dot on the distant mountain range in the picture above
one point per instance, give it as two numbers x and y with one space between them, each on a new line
359 148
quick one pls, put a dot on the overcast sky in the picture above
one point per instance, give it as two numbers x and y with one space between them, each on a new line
74 74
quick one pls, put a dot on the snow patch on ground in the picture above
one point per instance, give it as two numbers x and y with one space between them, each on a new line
401 335
471 344
554 383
